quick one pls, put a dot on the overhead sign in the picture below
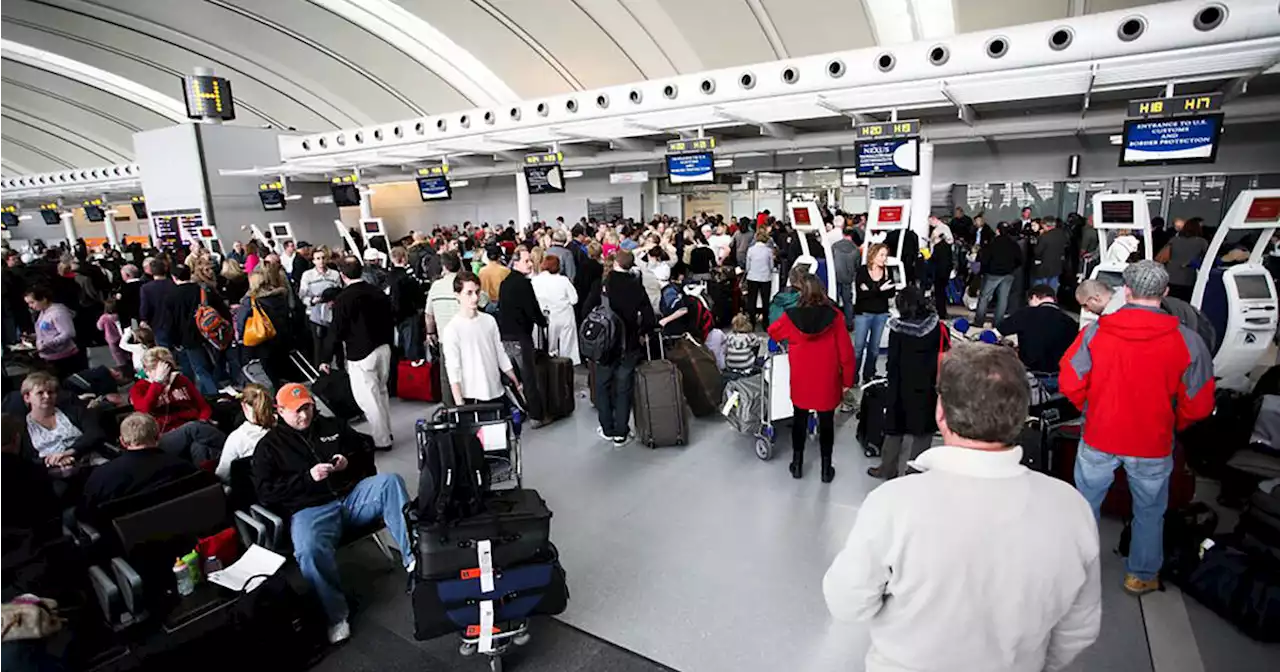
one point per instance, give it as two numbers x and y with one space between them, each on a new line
139 206
636 177
434 188
1167 107
894 157
9 216
165 230
683 168
345 179
93 210
544 159
888 129
691 145
272 195
548 179
1177 140
208 96
434 171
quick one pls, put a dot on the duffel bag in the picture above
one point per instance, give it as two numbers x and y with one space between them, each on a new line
517 523
448 605
1240 581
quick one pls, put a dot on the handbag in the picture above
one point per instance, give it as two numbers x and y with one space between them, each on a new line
1164 255
258 328
30 617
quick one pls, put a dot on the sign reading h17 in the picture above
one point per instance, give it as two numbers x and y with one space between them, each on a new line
889 129
1164 107
690 145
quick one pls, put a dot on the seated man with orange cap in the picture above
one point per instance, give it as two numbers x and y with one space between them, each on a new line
301 469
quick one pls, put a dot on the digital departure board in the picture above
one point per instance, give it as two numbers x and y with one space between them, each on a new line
434 188
345 195
139 204
49 213
544 179
691 145
682 168
1176 140
9 216
546 158
208 97
887 129
887 158
94 213
272 195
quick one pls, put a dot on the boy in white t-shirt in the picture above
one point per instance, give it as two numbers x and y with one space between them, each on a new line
473 355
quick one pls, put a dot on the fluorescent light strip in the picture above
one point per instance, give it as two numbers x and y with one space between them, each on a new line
166 106
422 42
572 173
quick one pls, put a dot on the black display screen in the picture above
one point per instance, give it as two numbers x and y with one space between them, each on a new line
273 199
345 195
208 96
140 210
544 179
9 219
51 217
94 213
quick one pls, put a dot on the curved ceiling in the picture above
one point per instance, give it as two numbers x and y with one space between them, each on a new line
79 77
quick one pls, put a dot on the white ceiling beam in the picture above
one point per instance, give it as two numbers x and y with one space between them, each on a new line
1075 7
531 42
963 111
770 30
771 129
422 42
127 89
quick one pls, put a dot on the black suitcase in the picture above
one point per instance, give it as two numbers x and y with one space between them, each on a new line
333 389
516 522
871 416
452 604
1034 440
555 382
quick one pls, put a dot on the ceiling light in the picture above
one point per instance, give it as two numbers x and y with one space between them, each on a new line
23 218
572 173
1117 139
723 163
458 183
293 197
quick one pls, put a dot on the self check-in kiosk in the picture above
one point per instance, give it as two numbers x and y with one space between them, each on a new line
883 217
1240 300
373 229
346 237
806 219
281 232
1113 213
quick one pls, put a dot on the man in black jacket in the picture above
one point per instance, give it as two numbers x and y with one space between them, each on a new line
998 261
142 467
303 469
177 317
518 314
128 298
1050 253
407 301
616 376
362 322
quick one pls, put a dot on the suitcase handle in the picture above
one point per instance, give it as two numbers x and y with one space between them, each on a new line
662 348
304 366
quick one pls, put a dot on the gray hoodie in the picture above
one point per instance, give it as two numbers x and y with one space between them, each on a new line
845 260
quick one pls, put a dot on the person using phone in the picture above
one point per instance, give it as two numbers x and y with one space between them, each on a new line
181 412
874 287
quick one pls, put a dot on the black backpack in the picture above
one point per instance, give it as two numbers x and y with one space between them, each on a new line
453 475
600 336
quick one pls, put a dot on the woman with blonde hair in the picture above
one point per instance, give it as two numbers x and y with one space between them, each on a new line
259 416
536 256
180 411
235 282
874 288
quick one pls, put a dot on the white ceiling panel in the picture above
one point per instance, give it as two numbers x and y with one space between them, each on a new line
723 32
621 21
811 27
570 35
61 87
973 15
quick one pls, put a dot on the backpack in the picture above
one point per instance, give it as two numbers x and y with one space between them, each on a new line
701 321
257 327
600 336
212 325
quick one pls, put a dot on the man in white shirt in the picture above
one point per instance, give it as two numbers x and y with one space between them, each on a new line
978 563
474 358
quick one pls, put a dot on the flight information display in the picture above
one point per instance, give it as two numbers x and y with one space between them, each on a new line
94 213
51 217
9 219
1177 140
139 204
894 157
434 188
544 179
166 230
682 168
208 97
1117 212
345 195
272 199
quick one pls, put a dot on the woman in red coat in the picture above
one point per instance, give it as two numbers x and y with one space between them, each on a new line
822 368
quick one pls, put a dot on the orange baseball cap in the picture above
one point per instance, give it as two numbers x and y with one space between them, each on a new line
293 396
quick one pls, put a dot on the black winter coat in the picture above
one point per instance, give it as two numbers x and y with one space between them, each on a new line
913 375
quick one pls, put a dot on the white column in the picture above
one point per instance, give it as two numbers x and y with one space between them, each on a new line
524 210
651 195
922 193
110 224
366 202
69 228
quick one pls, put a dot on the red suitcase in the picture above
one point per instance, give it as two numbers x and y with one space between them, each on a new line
1119 503
415 381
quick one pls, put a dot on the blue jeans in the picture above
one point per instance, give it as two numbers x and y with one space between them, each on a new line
844 292
1149 485
316 531
998 285
196 365
614 383
1052 282
867 331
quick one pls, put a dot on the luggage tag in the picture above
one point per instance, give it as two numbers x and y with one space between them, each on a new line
729 404
484 551
486 627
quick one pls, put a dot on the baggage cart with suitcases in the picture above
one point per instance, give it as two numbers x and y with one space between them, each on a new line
658 402
701 377
777 407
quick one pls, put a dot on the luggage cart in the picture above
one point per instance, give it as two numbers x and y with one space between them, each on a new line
497 426
777 403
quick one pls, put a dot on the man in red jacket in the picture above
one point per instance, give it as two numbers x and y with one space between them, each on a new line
1139 376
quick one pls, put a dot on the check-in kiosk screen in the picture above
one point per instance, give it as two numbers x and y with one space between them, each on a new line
1252 286
1117 212
371 228
279 230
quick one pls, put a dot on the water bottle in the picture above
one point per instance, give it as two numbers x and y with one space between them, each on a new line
182 576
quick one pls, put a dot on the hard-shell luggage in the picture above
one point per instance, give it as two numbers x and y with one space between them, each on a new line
701 377
743 403
871 416
658 403
518 591
417 380
516 523
555 382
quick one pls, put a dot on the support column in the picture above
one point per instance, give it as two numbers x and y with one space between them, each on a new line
110 224
922 193
69 228
651 196
524 210
366 202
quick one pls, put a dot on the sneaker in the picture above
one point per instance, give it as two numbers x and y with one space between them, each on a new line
619 441
339 632
1138 587
603 437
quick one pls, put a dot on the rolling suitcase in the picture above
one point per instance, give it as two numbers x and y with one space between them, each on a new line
417 380
555 382
871 416
516 524
1119 503
700 375
332 390
658 403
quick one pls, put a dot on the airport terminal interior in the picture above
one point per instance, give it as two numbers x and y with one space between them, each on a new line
149 126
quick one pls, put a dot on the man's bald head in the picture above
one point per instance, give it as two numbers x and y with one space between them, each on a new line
1094 295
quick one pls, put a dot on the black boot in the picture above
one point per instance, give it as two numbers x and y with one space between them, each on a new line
797 463
828 471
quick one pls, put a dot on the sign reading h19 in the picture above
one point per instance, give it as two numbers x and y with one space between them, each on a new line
434 171
888 129
691 145
1165 107
345 179
208 97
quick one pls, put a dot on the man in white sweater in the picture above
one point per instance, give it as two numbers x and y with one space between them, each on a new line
978 563
474 359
